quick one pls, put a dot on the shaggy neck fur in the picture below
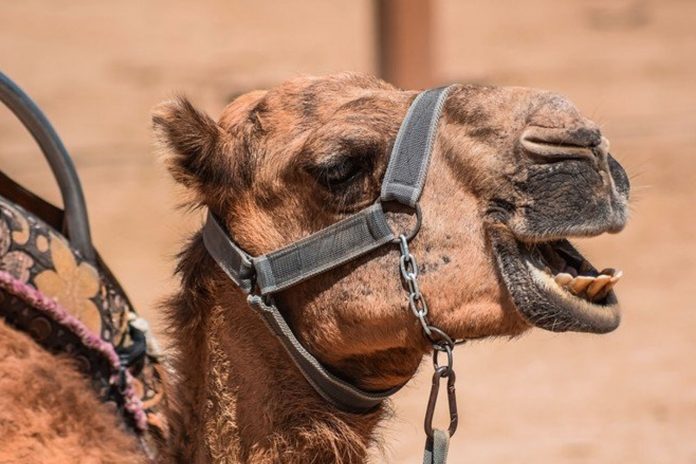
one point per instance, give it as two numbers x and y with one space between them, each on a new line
238 397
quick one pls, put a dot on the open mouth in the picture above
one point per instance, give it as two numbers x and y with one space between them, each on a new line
570 271
554 287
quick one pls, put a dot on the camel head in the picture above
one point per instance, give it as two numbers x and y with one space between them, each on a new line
514 173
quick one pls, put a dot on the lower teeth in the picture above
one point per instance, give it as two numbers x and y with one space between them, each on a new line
588 287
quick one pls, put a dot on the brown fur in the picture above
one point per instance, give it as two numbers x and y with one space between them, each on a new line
273 142
49 414
273 168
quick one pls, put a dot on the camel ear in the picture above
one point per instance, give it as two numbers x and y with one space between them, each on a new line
195 147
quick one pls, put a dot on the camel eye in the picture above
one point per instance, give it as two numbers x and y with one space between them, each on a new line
337 176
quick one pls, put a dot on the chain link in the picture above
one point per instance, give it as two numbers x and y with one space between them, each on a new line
408 266
409 271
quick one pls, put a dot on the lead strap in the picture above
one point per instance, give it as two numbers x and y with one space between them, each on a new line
436 448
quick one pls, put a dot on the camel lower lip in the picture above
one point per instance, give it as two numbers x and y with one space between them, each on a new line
531 275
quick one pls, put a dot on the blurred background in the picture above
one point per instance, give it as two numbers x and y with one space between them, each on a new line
96 69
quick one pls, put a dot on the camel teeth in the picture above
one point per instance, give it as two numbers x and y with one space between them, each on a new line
591 288
601 294
579 284
608 287
597 285
563 278
617 276
604 292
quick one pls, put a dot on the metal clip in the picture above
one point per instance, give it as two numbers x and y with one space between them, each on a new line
440 372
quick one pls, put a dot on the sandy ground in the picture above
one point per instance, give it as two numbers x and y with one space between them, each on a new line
97 67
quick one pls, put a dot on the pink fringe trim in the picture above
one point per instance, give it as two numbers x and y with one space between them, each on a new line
50 307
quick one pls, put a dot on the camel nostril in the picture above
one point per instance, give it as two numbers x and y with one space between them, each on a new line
558 143
585 136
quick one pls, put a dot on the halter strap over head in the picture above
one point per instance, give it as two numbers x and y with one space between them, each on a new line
261 276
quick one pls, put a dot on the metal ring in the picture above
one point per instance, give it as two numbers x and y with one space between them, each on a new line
450 359
412 233
419 221
443 337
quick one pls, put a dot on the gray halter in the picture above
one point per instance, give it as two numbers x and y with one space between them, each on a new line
261 276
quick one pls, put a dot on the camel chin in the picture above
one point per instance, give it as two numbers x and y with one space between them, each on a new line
553 286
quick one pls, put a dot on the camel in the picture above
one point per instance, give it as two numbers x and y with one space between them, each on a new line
514 173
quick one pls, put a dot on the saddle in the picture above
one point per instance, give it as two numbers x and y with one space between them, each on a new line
55 287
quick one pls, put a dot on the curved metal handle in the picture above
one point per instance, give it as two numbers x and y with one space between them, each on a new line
76 220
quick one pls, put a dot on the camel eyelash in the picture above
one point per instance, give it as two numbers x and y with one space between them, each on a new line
342 168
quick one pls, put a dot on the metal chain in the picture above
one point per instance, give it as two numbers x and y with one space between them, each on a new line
408 266
409 271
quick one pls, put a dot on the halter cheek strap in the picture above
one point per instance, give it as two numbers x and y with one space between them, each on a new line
262 276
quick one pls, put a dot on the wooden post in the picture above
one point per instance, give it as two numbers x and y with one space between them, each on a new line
404 50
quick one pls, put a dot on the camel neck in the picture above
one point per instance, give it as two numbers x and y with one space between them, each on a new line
238 396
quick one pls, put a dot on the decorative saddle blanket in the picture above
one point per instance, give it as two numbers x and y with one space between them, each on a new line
70 306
